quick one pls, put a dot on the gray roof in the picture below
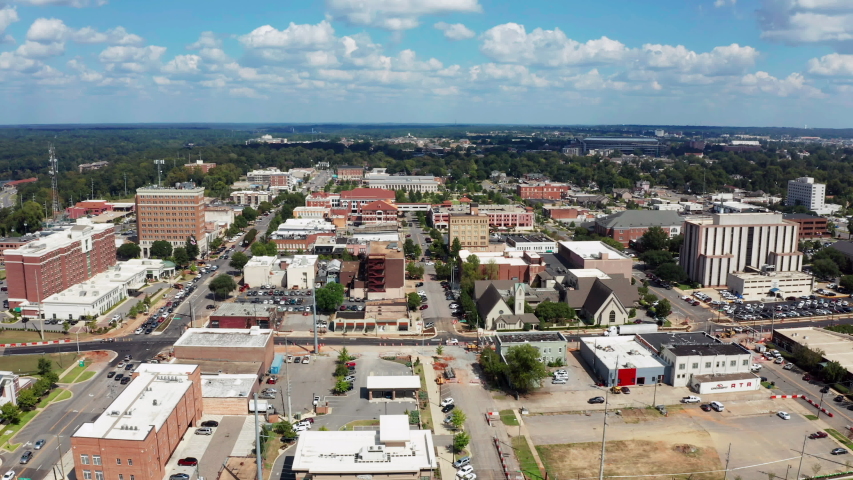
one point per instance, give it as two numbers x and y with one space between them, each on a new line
243 309
480 287
593 292
711 350
522 337
487 302
658 341
844 247
524 317
641 218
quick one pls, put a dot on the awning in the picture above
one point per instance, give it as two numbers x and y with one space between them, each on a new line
774 290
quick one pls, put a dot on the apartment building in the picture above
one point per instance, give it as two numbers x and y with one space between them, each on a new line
350 172
539 191
471 230
262 176
52 263
378 178
251 198
139 431
725 243
170 214
804 191
628 226
354 199
385 271
811 226
11 243
508 217
201 165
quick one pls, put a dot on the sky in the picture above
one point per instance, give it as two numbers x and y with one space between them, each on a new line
543 62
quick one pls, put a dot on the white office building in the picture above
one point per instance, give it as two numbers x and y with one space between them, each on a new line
804 191
720 244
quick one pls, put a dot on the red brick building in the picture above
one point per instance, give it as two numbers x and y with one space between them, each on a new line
139 431
322 199
226 345
201 165
11 244
811 226
356 198
376 212
539 191
88 207
53 263
243 315
350 172
170 214
630 225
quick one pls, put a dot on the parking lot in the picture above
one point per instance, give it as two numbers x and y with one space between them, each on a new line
234 436
806 306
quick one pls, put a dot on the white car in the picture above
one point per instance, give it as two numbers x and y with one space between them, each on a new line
138 331
470 476
755 367
300 427
464 471
421 293
783 415
447 401
304 423
316 400
9 475
429 263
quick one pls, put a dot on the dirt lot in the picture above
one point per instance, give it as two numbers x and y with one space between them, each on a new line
635 457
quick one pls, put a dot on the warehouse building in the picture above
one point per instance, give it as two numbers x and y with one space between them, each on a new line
622 361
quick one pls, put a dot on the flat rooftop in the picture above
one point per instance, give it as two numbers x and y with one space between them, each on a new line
227 385
592 250
709 350
517 337
391 382
588 273
837 347
537 238
219 367
225 337
60 239
363 453
260 262
624 350
659 340
254 310
500 258
774 276
144 404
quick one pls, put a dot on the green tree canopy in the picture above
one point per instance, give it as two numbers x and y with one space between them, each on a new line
460 441
656 258
671 272
182 259
833 372
847 281
249 213
161 249
238 260
330 296
191 248
414 300
655 238
222 285
524 369
663 308
128 250
825 268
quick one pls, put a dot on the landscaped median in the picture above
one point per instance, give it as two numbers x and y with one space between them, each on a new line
78 373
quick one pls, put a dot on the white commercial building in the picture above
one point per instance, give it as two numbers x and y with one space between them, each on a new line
220 215
804 191
761 285
310 212
263 271
90 298
301 271
393 452
262 177
725 243
377 178
154 269
295 227
690 360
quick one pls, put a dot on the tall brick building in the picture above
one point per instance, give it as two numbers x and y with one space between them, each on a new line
170 214
350 172
471 230
137 434
549 191
53 263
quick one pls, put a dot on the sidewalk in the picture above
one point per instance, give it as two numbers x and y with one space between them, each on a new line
445 463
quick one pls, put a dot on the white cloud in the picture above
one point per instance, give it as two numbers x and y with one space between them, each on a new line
64 3
12 61
517 74
832 65
245 92
8 16
293 37
723 3
763 82
444 91
50 35
731 59
183 65
396 14
807 21
205 40
593 80
119 54
510 42
41 50
455 31
84 73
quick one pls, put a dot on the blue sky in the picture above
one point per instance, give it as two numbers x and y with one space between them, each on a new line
674 62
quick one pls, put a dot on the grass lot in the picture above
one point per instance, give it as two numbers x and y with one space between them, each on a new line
811 417
85 376
425 413
525 458
840 437
633 458
27 364
271 447
3 274
360 423
508 418
22 336
11 430
65 395
77 371
50 397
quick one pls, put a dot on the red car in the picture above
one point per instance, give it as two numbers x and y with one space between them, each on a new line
818 435
350 364
424 307
343 307
807 378
272 380
188 462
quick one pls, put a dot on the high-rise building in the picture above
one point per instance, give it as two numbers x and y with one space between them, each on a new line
59 260
734 242
170 214
471 230
803 191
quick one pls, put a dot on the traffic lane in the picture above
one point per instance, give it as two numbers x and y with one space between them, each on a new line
790 382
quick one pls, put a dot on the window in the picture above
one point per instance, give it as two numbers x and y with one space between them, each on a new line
130 463
84 459
733 363
707 364
681 366
118 461
746 362
87 475
695 365
612 316
99 475
120 477
96 460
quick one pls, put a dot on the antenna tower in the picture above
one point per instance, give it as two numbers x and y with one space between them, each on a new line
54 174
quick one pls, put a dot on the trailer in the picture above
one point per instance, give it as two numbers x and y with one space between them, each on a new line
277 362
262 406
631 329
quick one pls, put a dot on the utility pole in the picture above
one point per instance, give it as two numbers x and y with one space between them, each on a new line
258 455
603 438
287 377
125 185
728 457
802 454
158 163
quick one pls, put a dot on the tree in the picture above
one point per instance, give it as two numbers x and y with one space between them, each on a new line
455 247
222 285
825 268
285 429
414 271
128 250
264 207
833 372
344 356
460 441
458 418
341 385
181 257
439 350
215 243
411 249
240 222
249 214
807 358
11 414
655 238
330 296
238 260
632 313
656 258
192 248
524 369
414 300
45 366
491 271
613 243
27 400
161 249
554 312
847 281
671 272
663 308
675 243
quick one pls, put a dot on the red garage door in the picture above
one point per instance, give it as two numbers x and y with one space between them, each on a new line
627 377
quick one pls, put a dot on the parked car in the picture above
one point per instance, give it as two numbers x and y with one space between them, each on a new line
838 451
691 399
596 400
705 407
447 401
210 423
188 462
462 462
818 435
448 408
465 470
26 457
717 406
204 431
783 415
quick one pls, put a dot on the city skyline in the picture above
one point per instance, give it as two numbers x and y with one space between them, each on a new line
712 62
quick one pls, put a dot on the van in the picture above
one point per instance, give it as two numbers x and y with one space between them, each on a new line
204 431
717 406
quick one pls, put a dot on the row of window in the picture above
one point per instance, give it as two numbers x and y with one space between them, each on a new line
96 460
695 365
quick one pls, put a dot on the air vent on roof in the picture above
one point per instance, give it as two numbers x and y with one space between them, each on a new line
155 402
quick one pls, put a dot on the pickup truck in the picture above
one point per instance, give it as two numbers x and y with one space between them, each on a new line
691 399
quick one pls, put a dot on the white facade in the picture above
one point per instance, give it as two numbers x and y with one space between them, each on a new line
93 298
708 384
310 212
262 271
262 176
725 243
688 361
223 216
250 197
294 227
803 191
419 183
756 286
301 271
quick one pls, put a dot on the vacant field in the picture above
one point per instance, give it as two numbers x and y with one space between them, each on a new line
24 336
28 364
635 457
